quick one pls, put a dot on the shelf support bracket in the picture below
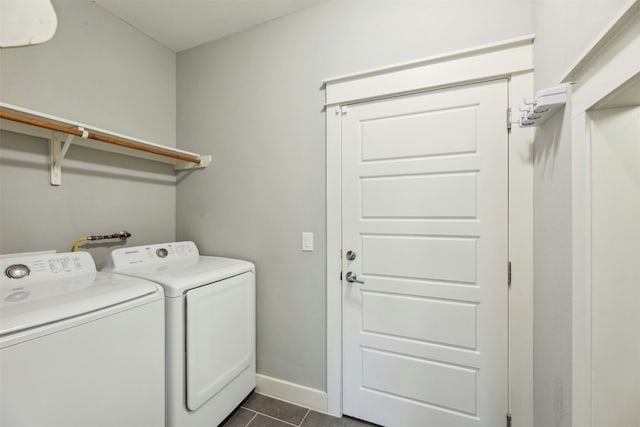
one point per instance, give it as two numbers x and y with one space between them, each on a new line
58 147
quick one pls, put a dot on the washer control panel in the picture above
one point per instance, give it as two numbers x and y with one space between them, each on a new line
23 275
45 266
31 277
152 254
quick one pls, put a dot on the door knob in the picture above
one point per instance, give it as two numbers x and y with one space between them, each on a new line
351 255
351 278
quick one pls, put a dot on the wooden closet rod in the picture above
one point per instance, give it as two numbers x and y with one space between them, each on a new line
102 138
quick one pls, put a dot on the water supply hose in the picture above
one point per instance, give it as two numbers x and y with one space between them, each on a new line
122 235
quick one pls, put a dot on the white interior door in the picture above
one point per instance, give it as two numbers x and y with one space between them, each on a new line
425 211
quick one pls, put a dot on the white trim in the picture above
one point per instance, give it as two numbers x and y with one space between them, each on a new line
474 51
521 256
516 64
581 271
610 68
610 63
334 261
293 393
500 60
600 43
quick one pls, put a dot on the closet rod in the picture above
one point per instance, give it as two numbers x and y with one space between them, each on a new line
102 138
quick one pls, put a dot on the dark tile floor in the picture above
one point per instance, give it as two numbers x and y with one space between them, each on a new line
259 410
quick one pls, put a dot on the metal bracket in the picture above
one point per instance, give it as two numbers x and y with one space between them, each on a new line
57 153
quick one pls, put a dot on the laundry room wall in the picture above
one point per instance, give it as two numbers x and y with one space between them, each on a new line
254 100
100 71
564 29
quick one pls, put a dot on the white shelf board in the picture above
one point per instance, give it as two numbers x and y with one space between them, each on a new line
97 145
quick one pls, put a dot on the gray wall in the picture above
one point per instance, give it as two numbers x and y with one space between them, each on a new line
100 71
254 101
564 30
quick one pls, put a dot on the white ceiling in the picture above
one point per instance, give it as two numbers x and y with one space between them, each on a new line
183 24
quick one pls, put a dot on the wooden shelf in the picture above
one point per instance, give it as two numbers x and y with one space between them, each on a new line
64 133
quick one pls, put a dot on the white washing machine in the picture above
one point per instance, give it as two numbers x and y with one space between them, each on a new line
79 348
210 315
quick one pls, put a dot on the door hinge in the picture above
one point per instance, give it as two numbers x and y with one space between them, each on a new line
341 110
508 420
509 273
509 118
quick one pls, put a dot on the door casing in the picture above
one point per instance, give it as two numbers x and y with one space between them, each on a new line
512 59
607 66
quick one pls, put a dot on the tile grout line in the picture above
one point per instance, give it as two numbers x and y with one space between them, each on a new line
255 414
268 416
305 416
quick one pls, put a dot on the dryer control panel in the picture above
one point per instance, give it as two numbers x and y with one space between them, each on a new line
149 255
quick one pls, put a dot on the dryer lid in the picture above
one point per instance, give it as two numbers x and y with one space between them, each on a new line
59 287
178 269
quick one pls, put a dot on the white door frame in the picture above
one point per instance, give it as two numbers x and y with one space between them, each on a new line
608 64
511 59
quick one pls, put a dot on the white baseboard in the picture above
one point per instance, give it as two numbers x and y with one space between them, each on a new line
290 392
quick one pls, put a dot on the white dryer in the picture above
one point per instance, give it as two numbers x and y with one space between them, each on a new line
210 326
79 348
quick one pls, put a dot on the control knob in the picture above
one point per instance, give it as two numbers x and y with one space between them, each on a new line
162 252
17 271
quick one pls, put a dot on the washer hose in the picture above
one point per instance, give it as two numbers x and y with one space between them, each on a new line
122 235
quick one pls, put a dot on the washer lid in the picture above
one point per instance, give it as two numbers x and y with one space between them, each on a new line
176 266
44 297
